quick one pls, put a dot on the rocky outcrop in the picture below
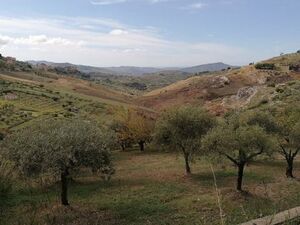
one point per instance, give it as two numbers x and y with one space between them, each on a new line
219 82
246 92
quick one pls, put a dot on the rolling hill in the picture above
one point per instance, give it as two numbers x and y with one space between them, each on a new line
218 91
134 71
212 67
222 91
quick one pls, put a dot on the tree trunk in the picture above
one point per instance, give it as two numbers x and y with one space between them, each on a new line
64 187
289 168
187 164
142 145
241 167
123 147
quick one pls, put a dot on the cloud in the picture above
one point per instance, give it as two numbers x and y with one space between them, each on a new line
112 2
118 32
105 42
194 6
107 2
3 41
38 40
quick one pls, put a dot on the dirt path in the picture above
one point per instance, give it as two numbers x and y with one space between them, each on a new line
277 218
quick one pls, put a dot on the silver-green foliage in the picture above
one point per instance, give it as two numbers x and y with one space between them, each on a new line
56 145
182 129
239 141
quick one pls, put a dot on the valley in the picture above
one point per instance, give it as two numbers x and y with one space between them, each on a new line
149 185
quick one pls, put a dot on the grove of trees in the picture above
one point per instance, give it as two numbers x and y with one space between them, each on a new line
62 147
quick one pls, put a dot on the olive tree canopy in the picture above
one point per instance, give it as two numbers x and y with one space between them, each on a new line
181 130
239 142
60 146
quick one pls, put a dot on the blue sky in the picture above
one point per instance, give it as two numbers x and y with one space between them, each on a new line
149 32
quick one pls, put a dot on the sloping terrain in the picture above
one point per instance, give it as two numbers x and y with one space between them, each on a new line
26 97
222 91
132 70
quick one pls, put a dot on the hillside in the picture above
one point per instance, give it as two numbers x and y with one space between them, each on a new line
218 91
132 70
137 192
206 68
26 97
225 90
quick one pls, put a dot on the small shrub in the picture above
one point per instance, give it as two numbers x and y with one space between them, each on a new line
279 90
264 101
271 85
265 66
55 99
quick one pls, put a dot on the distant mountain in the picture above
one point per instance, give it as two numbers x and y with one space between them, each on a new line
206 67
135 71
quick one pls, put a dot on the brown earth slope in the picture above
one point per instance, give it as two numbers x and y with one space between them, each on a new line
222 91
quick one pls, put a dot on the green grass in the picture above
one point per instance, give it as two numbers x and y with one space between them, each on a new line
36 102
151 188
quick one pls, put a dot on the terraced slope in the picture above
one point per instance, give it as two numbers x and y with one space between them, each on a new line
22 103
26 97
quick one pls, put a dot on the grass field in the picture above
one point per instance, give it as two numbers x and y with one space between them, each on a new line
151 188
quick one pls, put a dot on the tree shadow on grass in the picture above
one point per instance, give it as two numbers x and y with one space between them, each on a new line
227 178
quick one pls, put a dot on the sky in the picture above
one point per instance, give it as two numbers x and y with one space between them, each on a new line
160 33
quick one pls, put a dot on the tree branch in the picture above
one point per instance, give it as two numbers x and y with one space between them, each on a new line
255 154
230 158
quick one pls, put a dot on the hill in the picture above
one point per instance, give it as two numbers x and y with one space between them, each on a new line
131 70
212 67
26 96
137 192
222 91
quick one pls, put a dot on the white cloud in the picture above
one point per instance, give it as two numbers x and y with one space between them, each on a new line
118 32
112 2
105 42
194 6
38 40
107 2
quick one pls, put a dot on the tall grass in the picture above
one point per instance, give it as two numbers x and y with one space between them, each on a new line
6 182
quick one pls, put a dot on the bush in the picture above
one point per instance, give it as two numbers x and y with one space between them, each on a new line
265 66
279 90
6 174
271 85
264 101
295 67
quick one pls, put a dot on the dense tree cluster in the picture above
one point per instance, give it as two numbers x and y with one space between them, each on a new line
265 66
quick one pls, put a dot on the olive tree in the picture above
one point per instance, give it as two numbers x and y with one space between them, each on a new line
238 142
59 147
289 136
182 129
285 126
